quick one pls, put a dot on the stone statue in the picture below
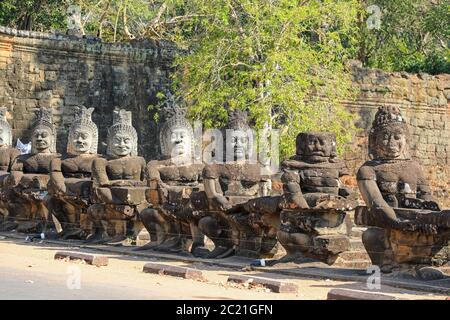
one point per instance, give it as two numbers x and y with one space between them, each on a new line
406 225
7 155
30 175
175 186
228 187
119 184
70 179
314 200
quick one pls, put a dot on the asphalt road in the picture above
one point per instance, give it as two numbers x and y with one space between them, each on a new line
18 284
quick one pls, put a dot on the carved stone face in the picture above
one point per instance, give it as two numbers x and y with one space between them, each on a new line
4 137
180 142
41 140
390 144
239 144
122 144
82 140
316 147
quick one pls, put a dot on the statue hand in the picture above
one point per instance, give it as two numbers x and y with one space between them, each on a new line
428 229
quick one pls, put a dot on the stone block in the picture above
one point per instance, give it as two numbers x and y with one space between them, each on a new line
92 259
272 284
175 271
345 294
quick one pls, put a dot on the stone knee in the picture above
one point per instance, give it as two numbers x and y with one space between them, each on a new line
96 213
374 240
209 226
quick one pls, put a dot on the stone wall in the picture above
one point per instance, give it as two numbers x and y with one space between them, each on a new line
55 71
424 101
39 69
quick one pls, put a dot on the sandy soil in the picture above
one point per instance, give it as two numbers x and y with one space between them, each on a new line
29 271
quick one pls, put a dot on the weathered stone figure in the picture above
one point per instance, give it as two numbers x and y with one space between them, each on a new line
314 200
7 156
70 179
406 224
30 175
119 183
228 186
175 186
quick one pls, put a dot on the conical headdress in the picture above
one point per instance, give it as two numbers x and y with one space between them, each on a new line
83 119
122 122
175 117
44 119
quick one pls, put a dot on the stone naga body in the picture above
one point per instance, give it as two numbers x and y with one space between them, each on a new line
119 184
70 178
406 227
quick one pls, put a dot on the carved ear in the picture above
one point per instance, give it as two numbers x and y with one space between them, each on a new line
90 111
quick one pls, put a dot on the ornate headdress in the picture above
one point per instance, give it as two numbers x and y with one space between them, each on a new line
387 117
175 117
44 119
83 119
122 122
237 120
5 125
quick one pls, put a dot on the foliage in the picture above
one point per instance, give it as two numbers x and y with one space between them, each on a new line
37 15
414 36
280 60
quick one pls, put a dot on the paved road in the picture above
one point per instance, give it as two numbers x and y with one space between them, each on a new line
17 284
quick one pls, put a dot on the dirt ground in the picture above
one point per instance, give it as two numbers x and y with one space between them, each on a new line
29 271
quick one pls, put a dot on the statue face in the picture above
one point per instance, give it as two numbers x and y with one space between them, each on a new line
4 137
41 140
239 144
82 140
122 144
180 142
316 147
390 144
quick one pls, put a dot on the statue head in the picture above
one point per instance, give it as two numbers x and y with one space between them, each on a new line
5 129
316 146
122 136
176 135
237 139
43 137
83 133
389 136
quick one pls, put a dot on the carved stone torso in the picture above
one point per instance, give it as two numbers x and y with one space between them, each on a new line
37 163
396 179
322 177
238 182
127 168
174 175
77 166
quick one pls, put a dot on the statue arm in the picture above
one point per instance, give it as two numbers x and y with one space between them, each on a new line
214 195
292 190
16 172
99 174
12 157
423 189
374 200
56 175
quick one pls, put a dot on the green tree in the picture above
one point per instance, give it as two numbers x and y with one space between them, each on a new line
413 36
280 60
37 15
